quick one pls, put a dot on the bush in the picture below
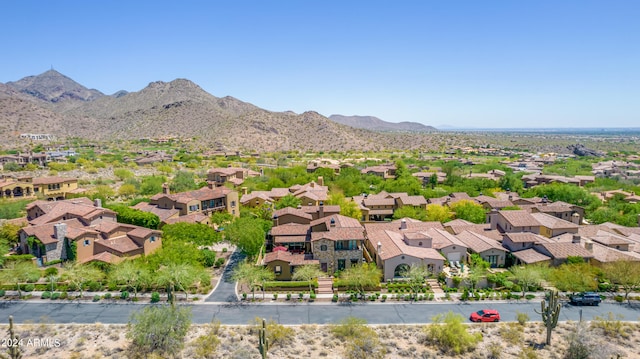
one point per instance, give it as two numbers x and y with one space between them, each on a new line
529 296
94 286
449 332
96 297
107 295
45 295
512 333
244 296
55 295
51 271
50 263
335 298
219 262
2 293
124 294
275 296
208 258
619 298
224 250
384 297
523 318
64 295
349 327
155 297
312 296
288 296
29 287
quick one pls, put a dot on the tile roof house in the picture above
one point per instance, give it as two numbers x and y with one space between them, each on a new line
310 194
337 242
514 221
236 176
381 206
284 263
551 226
489 249
204 201
55 226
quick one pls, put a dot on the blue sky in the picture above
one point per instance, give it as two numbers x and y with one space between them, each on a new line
457 63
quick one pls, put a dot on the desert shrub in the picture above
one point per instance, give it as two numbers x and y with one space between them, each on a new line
208 257
512 333
523 318
277 334
29 287
527 352
155 297
449 332
50 271
124 294
64 295
219 263
348 327
205 346
2 292
45 295
365 345
494 351
611 326
55 295
107 295
158 330
96 297
529 296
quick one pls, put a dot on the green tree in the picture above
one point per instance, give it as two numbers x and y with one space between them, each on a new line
527 276
410 212
196 233
158 330
438 213
183 181
152 185
575 277
220 218
308 273
175 277
127 190
253 276
469 211
130 275
19 272
288 201
348 208
122 173
416 274
9 234
248 234
78 275
360 277
624 273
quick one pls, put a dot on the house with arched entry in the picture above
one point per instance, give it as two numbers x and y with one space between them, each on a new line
16 187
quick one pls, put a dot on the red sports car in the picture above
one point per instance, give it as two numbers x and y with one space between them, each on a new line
485 315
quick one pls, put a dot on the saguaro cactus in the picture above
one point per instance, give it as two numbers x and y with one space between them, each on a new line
14 344
264 341
550 312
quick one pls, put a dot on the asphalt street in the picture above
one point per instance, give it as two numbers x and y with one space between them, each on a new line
296 313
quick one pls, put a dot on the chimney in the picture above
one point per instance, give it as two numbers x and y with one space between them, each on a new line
97 202
244 190
60 231
403 224
320 181
510 198
275 220
165 188
575 218
576 239
588 245
493 218
321 210
379 247
332 223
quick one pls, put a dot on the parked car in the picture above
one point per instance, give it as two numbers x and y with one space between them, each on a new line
485 315
585 298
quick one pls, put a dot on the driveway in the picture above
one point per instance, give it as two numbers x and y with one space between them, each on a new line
225 291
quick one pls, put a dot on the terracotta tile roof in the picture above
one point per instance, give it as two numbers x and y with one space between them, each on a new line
52 180
565 250
592 230
122 244
340 221
292 211
162 213
526 237
413 200
479 243
339 234
519 218
457 223
236 181
80 207
141 232
393 245
604 254
530 256
290 239
290 229
264 195
105 257
292 259
45 232
610 239
225 170
442 239
384 212
412 225
482 229
553 222
328 209
202 194
195 217
368 202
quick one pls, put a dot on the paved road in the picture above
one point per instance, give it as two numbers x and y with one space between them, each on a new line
299 313
226 289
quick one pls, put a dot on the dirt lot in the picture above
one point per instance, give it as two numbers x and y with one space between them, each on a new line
503 340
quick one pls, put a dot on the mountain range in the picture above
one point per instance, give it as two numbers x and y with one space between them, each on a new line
54 103
375 124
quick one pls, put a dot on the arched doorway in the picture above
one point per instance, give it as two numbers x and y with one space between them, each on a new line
400 270
17 192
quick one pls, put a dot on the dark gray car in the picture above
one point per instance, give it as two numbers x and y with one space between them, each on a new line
585 298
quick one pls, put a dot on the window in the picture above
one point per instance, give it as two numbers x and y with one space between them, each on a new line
152 239
277 270
354 262
86 242
194 207
233 204
323 247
